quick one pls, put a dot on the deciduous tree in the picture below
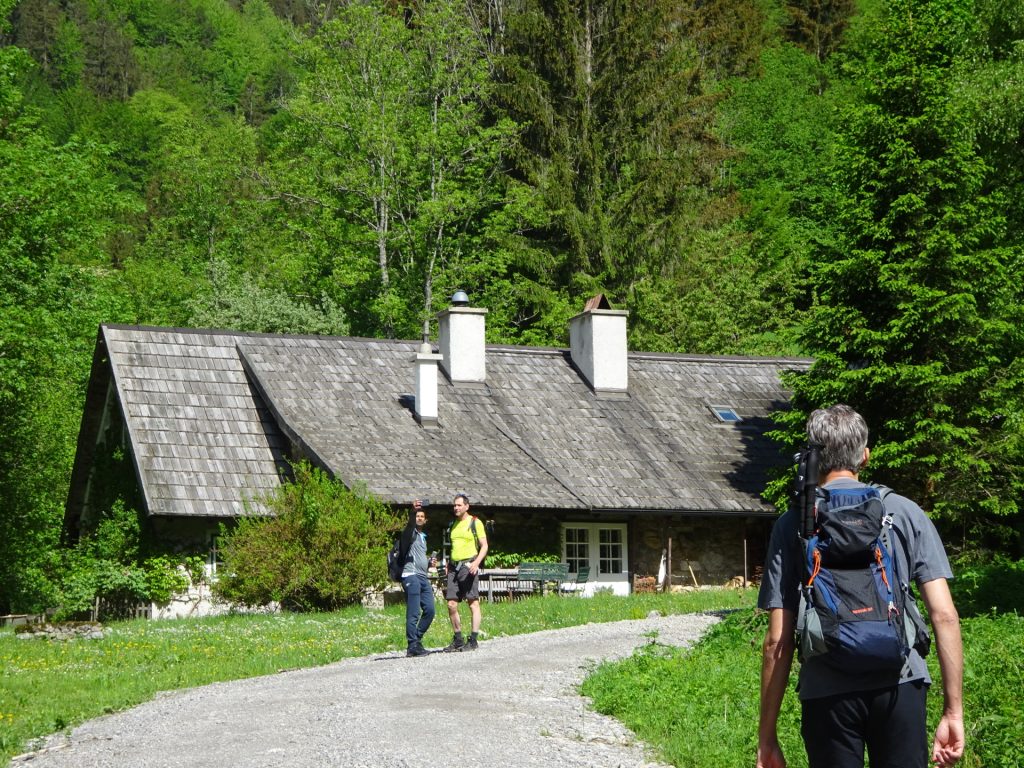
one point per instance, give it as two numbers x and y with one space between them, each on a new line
57 206
390 158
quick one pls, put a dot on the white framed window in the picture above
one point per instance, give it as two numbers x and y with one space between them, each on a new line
577 548
611 550
213 556
601 547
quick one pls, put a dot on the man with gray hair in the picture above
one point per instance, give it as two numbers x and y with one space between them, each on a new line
844 712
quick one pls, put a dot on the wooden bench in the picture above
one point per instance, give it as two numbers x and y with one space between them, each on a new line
502 584
540 574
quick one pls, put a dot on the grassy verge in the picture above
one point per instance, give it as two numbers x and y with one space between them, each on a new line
699 708
46 686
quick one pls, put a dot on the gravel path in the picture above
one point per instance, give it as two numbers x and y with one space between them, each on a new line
512 704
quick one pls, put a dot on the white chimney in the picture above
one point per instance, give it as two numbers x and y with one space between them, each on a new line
597 343
460 338
426 386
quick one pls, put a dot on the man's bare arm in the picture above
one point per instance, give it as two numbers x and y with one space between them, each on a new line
776 661
948 746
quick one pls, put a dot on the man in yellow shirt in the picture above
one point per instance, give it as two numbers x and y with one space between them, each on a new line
469 547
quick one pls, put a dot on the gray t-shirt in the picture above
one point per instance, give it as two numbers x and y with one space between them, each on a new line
780 588
416 560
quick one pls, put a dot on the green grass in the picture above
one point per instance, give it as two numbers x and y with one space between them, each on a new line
46 686
699 708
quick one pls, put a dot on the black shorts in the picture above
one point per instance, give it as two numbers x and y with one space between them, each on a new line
890 722
462 585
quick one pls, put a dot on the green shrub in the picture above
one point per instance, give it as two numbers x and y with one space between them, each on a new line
119 585
987 583
322 547
109 562
513 559
115 535
164 578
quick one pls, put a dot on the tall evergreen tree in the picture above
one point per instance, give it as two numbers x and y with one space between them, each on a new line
619 100
918 317
818 25
780 126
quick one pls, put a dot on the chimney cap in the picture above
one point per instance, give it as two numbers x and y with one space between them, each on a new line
460 299
597 302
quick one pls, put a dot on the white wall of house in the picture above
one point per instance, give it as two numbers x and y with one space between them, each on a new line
196 601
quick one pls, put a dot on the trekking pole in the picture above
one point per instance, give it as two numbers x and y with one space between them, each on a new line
806 488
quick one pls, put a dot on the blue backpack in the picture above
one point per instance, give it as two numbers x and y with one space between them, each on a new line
855 611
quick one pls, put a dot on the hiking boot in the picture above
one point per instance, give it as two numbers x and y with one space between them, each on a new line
417 650
455 646
471 645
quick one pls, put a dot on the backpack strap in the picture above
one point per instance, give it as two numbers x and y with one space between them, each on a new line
889 523
888 526
905 583
917 634
472 528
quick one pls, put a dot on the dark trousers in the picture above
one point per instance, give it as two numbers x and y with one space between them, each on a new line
419 607
890 722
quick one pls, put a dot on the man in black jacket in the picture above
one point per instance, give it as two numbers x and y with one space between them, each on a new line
419 595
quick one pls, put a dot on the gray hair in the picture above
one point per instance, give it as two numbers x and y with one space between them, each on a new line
842 434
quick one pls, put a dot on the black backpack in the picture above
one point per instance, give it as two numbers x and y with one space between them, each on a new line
396 562
856 613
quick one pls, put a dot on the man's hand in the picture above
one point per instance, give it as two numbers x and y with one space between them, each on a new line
417 505
769 755
948 746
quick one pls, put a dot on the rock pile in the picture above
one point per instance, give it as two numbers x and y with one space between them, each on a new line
66 630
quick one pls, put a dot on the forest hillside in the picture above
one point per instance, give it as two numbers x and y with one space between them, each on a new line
834 178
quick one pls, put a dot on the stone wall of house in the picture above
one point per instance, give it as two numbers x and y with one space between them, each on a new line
706 551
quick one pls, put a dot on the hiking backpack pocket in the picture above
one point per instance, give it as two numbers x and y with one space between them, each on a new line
850 620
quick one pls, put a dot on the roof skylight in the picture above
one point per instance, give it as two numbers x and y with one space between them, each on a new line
726 414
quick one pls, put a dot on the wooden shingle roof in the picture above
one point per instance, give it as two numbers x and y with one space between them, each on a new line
211 415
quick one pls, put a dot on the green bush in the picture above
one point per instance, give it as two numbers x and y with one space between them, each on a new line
119 585
513 559
109 563
321 548
987 583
